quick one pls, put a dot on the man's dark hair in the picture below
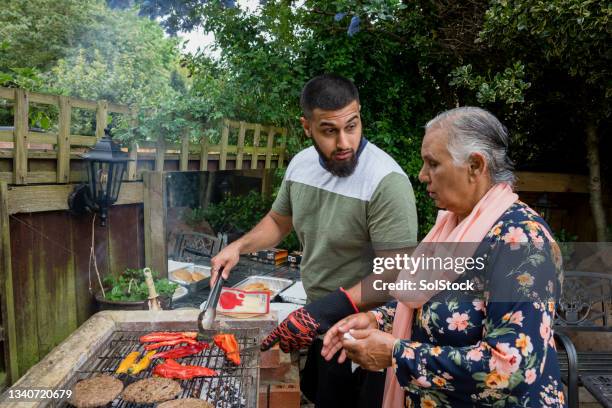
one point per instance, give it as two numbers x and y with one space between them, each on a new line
327 92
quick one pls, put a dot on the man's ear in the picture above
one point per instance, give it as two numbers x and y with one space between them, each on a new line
477 165
306 126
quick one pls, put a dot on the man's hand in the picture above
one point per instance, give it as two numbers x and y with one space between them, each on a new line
224 261
300 328
332 342
371 348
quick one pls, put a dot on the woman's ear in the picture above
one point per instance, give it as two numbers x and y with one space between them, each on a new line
477 166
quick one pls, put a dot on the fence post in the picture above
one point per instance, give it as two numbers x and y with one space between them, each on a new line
101 118
63 140
240 148
184 158
22 127
6 289
223 147
269 147
204 152
160 154
281 155
132 167
255 154
156 250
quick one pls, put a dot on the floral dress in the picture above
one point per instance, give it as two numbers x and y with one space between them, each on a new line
467 352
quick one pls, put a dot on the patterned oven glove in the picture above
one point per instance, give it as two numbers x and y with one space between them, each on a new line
300 328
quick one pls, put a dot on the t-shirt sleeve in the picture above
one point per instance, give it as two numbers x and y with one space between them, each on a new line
392 216
282 203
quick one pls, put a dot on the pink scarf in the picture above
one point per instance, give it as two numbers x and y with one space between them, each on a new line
473 229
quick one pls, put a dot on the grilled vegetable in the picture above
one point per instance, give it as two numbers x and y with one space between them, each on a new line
165 336
172 369
174 342
142 364
229 344
127 362
183 351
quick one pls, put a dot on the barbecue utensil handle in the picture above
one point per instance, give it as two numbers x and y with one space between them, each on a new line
153 300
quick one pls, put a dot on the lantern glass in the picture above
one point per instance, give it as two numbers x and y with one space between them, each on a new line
105 181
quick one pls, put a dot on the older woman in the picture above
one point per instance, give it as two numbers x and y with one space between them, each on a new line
494 348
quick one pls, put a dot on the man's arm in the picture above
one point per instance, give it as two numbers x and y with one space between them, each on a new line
267 233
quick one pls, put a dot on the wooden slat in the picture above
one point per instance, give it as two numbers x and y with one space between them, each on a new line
46 99
204 153
101 118
7 93
85 141
63 140
42 138
6 289
255 146
83 104
224 142
552 182
184 160
269 147
240 146
6 136
54 197
113 107
283 147
133 163
160 154
20 158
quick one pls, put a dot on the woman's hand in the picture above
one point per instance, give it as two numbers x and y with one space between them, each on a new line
371 348
332 342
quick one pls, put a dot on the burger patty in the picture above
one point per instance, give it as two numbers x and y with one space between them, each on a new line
186 403
95 391
151 390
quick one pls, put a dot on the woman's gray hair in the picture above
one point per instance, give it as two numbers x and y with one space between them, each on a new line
475 130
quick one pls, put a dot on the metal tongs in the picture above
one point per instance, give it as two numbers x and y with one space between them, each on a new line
208 315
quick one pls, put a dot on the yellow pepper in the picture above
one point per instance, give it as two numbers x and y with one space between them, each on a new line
127 362
142 364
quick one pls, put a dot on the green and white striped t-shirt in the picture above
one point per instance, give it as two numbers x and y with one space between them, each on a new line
339 220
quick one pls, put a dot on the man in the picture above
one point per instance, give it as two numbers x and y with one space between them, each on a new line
344 197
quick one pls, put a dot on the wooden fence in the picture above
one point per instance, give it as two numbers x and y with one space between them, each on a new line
31 157
44 257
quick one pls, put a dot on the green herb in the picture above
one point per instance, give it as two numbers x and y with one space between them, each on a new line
131 286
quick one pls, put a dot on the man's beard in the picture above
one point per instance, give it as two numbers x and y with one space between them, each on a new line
340 168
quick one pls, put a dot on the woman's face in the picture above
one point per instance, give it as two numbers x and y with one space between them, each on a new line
452 187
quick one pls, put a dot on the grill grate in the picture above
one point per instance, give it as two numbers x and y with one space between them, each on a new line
235 386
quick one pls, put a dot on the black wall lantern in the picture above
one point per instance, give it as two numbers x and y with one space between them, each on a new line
105 169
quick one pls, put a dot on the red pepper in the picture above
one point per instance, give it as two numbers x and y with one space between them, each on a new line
172 369
229 344
165 336
183 351
174 342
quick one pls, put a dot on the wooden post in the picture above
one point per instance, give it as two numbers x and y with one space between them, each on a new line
281 155
184 158
21 122
156 250
63 141
204 152
132 167
101 118
255 146
6 289
269 147
240 149
224 141
160 154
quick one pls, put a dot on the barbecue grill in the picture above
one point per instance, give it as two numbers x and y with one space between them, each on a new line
100 344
